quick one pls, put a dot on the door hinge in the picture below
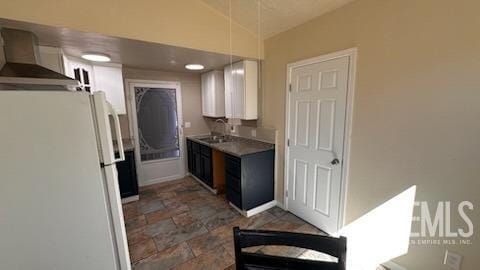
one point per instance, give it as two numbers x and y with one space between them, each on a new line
288 142
286 193
290 88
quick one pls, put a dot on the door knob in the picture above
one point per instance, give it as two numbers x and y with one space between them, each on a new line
335 161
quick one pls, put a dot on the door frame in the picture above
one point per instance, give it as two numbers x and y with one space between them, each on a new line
352 54
133 128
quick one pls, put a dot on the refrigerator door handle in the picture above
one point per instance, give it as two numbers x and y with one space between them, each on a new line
102 111
118 134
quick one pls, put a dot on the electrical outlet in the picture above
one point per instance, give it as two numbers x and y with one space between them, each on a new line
254 133
188 124
452 260
233 129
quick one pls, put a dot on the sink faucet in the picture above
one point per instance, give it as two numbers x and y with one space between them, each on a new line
224 126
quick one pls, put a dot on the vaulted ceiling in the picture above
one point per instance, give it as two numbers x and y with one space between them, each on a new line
128 52
275 16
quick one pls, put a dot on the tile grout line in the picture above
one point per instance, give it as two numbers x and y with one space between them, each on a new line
184 193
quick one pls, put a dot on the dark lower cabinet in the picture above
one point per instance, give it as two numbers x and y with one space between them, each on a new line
200 162
189 154
197 165
127 175
249 179
206 165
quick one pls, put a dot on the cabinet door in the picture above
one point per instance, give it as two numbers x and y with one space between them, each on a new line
206 88
207 170
228 81
250 88
197 169
81 72
218 93
189 156
127 176
213 92
109 79
210 95
239 90
197 165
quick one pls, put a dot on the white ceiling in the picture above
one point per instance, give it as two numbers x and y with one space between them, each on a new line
275 15
128 52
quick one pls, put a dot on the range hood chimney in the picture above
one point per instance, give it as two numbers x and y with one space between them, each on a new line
22 71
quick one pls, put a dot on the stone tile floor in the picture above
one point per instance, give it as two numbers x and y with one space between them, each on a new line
181 225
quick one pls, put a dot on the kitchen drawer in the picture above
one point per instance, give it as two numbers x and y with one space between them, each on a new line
233 166
231 158
233 182
234 197
206 151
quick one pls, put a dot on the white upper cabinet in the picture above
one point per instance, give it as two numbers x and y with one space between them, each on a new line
241 88
106 77
213 94
80 71
228 91
109 79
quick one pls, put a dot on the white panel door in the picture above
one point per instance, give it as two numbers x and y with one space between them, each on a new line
317 113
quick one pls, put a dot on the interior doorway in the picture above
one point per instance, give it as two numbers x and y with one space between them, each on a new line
319 109
156 118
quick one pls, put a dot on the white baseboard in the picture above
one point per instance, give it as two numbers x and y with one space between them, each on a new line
160 180
261 208
130 199
256 210
281 205
393 266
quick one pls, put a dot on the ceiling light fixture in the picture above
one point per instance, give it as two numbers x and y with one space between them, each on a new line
194 67
96 57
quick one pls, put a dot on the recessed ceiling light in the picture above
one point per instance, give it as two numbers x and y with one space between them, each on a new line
194 67
96 57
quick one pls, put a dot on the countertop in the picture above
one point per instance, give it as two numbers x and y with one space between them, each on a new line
239 146
127 145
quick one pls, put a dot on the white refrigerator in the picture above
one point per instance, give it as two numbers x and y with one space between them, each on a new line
60 204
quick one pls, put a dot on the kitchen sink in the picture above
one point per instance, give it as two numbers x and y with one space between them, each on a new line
215 139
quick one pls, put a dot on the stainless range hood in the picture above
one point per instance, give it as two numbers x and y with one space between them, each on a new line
22 71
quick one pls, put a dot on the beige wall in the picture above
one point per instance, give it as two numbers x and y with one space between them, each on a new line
191 95
184 23
416 109
2 56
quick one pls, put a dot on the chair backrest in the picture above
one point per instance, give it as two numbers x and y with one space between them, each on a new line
336 247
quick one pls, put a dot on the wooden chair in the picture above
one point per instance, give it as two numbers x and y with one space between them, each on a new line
336 247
